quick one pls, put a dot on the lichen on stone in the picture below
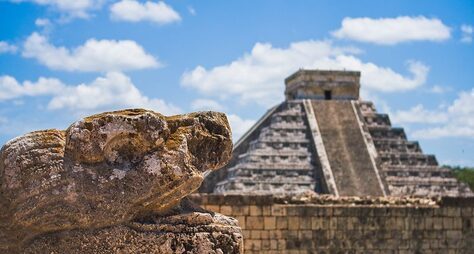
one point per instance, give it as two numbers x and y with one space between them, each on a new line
105 170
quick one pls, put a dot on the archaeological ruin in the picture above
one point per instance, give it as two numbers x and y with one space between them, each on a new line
322 172
324 138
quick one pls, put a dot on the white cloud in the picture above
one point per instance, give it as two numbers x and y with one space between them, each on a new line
439 89
10 88
258 76
467 32
71 8
42 22
390 31
206 104
239 125
456 120
463 105
134 11
113 91
419 114
5 47
45 25
94 55
444 131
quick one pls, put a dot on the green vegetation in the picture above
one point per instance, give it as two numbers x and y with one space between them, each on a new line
464 174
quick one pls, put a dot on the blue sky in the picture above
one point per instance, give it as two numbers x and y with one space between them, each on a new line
61 60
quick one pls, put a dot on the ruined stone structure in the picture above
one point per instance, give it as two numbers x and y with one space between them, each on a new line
322 172
115 183
324 138
305 224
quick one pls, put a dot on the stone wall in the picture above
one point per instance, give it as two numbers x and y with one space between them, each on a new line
326 224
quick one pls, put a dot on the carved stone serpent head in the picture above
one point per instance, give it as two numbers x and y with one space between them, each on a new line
107 168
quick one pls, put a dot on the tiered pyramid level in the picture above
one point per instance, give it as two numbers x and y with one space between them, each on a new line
278 160
405 168
322 138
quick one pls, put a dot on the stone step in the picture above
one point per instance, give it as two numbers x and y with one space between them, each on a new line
280 172
276 158
408 159
271 152
272 166
415 173
367 107
286 140
421 181
346 149
377 120
262 187
387 133
397 146
275 179
422 168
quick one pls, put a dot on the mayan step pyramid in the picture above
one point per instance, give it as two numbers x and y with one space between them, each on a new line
323 138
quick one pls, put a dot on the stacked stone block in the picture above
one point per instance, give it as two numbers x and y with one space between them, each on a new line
279 159
349 225
406 169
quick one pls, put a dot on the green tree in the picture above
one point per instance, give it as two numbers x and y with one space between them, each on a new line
463 174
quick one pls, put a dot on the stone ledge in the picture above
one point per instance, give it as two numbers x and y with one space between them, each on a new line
328 200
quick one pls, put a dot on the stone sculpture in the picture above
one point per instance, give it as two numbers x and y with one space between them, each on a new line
104 175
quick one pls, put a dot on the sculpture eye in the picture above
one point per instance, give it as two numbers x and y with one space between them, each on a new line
125 149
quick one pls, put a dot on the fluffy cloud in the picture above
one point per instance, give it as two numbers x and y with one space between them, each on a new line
456 120
258 76
206 104
134 11
71 8
437 89
445 131
390 31
94 55
7 48
113 91
10 88
42 22
419 114
239 125
467 32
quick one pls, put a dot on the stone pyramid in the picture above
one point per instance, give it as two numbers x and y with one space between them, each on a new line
323 138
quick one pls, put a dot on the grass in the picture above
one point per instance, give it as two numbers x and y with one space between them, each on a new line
463 174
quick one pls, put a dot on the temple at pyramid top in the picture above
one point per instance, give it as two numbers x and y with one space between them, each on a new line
323 85
324 138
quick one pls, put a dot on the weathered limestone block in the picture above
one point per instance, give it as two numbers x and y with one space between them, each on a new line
185 229
105 170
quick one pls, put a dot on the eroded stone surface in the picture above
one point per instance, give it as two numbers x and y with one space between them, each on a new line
106 169
185 229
